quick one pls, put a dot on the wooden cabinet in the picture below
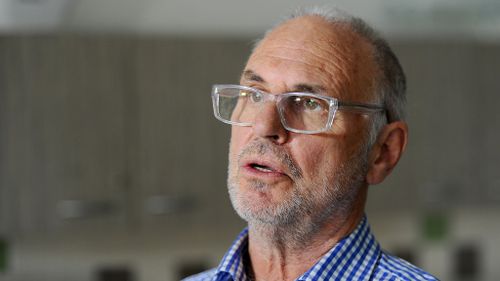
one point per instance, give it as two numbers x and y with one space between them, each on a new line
452 154
182 148
64 135
92 128
100 132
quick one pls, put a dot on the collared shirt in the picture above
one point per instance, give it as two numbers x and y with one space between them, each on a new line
355 257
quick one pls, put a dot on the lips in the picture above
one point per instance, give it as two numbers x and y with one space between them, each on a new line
263 168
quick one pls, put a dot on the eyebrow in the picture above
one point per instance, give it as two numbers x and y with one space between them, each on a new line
250 75
308 88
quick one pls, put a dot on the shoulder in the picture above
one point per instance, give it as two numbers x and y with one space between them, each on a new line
203 276
393 268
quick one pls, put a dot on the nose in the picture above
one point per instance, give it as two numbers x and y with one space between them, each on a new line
268 124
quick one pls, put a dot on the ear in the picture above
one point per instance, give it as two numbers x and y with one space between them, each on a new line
387 151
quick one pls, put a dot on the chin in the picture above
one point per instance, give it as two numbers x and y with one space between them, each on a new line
251 205
259 208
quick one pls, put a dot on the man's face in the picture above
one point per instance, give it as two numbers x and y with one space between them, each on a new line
280 177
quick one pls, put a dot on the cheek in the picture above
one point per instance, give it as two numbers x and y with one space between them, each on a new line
317 157
239 137
350 135
313 157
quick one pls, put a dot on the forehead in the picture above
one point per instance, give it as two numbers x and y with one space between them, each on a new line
309 50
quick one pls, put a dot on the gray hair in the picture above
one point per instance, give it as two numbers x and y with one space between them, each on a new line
390 85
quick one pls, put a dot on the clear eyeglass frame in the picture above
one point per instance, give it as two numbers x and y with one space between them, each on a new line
333 104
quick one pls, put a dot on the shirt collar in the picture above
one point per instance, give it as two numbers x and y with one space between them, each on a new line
354 256
232 265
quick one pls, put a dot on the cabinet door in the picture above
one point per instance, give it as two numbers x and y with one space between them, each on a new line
452 155
183 149
64 135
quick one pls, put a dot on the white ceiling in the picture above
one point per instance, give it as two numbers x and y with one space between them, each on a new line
479 19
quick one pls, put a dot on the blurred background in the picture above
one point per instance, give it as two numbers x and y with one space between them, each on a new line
113 168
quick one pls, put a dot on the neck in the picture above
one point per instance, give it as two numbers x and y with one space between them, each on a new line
286 252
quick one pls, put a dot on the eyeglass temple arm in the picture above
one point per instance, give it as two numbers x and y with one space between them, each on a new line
360 107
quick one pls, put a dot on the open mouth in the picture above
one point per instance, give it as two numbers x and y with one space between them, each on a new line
261 168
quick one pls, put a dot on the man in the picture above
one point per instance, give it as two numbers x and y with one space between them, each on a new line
316 119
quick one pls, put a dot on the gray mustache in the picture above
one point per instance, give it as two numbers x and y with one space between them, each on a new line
260 147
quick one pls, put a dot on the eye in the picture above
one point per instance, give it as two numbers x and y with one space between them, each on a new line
312 104
308 103
255 96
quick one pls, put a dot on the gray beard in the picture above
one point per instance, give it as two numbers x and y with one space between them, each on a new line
331 197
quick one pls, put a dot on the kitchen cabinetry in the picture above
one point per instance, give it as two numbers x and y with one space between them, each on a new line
64 133
452 156
182 148
94 128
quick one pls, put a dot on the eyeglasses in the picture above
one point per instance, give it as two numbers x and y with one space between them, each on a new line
303 113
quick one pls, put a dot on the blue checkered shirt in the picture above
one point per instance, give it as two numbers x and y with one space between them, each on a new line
356 257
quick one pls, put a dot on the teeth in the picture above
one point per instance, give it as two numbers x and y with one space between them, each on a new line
263 169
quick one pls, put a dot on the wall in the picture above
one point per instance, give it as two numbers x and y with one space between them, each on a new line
111 156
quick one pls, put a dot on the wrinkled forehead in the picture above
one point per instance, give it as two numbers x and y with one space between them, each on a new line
318 52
